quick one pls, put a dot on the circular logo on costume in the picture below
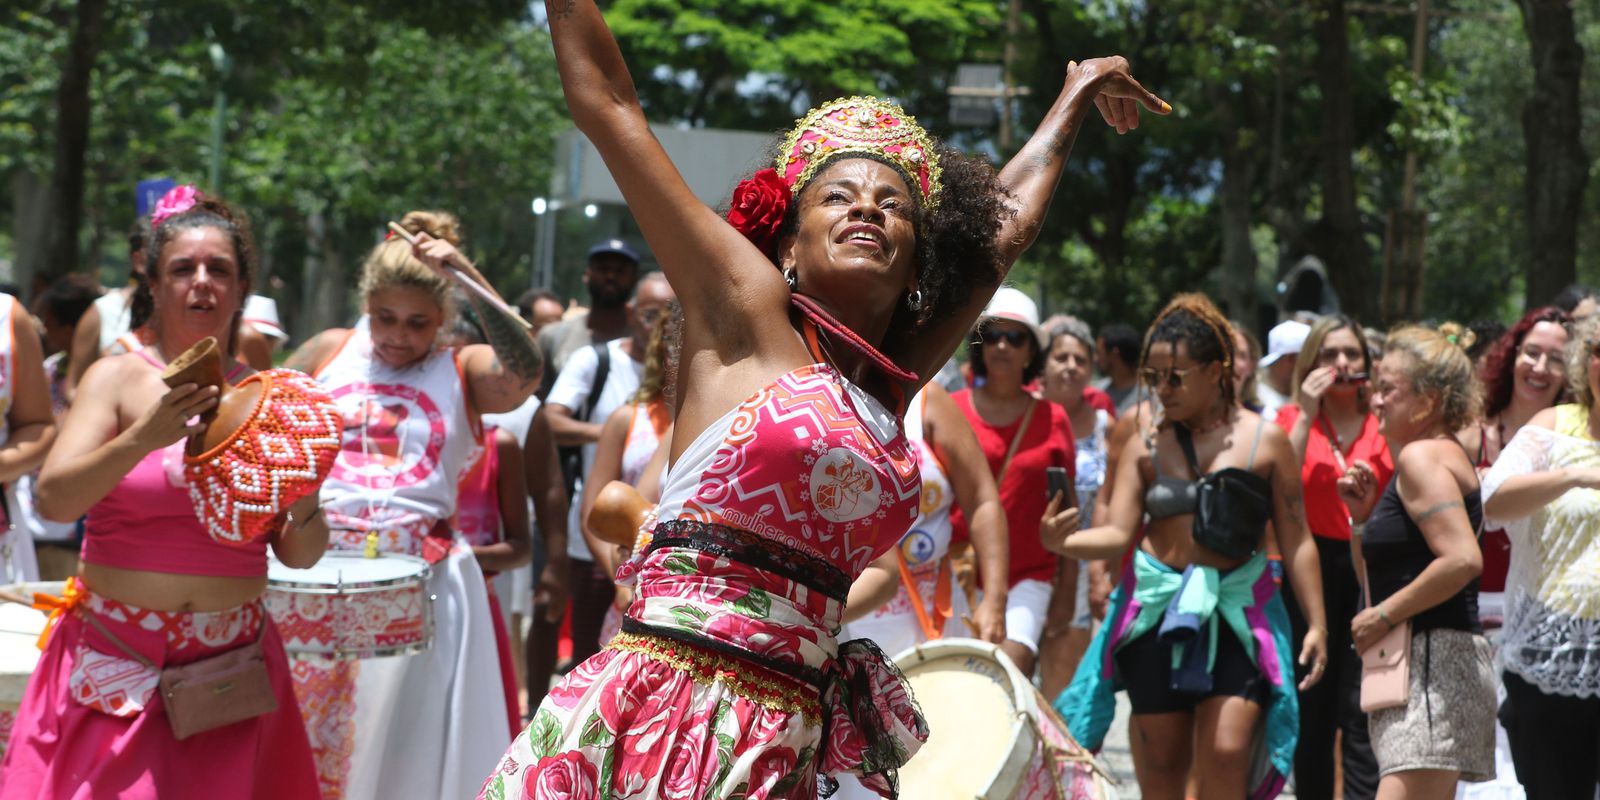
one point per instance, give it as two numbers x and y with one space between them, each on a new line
393 435
844 487
917 547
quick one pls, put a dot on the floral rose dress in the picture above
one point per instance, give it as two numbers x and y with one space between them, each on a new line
727 679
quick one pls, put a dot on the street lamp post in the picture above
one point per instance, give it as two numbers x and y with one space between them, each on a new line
544 245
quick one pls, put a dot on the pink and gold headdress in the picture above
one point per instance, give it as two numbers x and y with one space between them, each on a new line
864 125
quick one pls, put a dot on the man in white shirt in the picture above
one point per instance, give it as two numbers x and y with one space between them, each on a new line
577 412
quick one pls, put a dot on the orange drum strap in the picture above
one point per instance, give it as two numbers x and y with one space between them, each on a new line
941 597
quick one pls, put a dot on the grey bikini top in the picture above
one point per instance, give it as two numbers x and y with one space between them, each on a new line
1170 496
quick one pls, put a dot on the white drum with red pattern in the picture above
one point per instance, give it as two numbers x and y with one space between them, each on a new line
351 606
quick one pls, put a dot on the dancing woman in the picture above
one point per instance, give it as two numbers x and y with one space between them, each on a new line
155 589
411 409
1196 631
789 470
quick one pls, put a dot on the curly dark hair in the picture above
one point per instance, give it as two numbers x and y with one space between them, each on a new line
957 252
208 212
1194 320
1501 362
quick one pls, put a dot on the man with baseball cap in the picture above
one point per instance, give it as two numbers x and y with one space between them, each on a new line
1277 367
610 276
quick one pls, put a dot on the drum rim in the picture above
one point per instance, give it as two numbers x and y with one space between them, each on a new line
1007 776
420 577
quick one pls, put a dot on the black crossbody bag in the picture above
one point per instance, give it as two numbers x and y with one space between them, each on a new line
1233 505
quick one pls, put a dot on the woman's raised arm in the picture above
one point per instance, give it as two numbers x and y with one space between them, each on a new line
1033 174
717 273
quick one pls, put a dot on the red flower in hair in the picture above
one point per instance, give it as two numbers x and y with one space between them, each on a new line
759 204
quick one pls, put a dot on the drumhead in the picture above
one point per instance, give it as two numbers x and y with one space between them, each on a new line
349 569
978 707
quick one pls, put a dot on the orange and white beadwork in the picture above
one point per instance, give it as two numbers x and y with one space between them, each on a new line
242 487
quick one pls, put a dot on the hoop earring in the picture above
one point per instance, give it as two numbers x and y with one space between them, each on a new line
792 279
914 301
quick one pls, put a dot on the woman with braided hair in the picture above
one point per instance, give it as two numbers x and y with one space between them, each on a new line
841 279
1196 631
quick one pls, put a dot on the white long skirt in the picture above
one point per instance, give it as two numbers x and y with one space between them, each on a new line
430 724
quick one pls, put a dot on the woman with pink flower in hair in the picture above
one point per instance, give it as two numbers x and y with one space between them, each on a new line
837 284
156 588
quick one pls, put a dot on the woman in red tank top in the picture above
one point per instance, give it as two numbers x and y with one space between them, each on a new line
155 590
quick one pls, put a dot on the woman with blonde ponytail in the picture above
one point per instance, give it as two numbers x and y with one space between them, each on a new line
420 725
1419 541
1196 631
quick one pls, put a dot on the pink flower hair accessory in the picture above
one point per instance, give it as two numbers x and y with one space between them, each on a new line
177 200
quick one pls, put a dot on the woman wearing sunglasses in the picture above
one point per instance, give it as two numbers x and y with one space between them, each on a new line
1196 631
1021 436
1543 490
1331 425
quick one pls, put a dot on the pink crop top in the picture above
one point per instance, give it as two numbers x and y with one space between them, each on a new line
147 522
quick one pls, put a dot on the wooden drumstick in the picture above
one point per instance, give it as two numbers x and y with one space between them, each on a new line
618 512
477 288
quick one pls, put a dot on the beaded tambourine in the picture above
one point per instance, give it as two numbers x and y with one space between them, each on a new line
242 487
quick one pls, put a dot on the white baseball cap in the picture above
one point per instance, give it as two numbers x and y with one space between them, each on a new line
261 313
1011 304
1285 339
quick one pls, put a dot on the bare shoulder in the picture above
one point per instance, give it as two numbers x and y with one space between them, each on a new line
1421 461
109 379
1544 419
310 355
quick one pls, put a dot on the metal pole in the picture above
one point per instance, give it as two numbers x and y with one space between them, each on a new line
219 112
547 245
1009 57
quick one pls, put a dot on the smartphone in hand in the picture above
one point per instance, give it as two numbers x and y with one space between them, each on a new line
1058 482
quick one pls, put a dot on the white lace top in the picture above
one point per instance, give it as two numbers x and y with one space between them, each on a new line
1552 621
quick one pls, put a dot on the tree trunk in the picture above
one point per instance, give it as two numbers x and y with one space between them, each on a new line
1338 238
1238 274
322 286
30 225
72 137
1558 167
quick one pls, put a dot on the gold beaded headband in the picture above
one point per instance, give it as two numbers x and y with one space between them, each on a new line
863 125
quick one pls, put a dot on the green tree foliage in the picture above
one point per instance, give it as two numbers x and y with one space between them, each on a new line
348 114
343 116
756 64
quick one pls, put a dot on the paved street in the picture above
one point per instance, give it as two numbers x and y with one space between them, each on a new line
1119 760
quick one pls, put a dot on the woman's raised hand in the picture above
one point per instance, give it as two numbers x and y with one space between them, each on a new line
1312 389
1117 94
169 419
1058 524
1359 490
439 254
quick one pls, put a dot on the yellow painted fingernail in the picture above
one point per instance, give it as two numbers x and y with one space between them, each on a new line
1166 108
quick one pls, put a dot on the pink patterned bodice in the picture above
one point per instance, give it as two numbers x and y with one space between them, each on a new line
811 462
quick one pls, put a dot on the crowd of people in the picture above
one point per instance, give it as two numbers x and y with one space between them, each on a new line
1346 561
